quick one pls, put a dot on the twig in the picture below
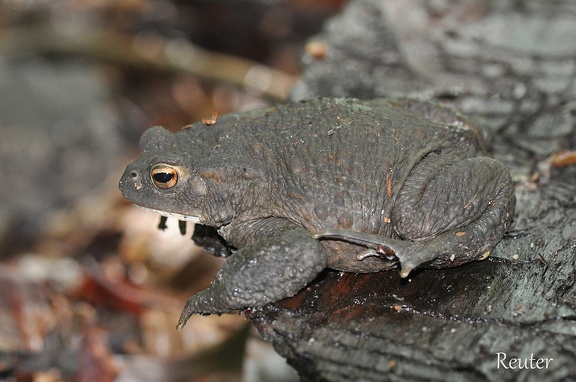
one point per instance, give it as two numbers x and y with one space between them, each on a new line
146 51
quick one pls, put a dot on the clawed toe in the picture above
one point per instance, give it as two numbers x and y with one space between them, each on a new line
409 254
197 304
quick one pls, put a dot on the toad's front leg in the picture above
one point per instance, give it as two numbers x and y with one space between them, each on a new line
280 260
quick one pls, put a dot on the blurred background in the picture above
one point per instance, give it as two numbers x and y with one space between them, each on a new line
90 290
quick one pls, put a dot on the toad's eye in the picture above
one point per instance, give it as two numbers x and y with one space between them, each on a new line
164 176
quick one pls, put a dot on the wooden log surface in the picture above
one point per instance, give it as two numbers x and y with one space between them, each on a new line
512 66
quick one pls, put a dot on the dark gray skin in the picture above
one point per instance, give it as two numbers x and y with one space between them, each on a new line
357 186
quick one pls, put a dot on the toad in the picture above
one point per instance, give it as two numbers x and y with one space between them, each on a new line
356 186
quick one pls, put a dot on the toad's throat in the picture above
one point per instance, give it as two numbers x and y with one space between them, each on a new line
181 217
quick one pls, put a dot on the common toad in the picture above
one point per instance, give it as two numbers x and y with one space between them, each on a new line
357 186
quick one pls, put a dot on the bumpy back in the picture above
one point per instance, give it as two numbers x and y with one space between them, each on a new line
337 162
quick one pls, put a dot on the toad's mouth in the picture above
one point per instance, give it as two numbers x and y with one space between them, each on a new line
181 217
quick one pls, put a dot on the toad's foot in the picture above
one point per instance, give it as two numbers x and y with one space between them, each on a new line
448 249
409 254
268 270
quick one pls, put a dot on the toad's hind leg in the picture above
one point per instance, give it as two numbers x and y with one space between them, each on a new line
279 261
445 215
453 213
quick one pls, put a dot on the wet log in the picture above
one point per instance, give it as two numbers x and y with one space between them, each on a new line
512 66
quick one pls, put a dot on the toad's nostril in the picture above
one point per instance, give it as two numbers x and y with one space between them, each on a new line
134 174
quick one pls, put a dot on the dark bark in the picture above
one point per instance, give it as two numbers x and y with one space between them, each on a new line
512 66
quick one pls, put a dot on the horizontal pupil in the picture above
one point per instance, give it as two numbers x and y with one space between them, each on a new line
163 177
